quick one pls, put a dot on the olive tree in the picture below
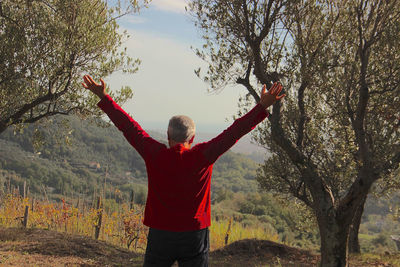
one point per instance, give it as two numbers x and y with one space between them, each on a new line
337 132
45 48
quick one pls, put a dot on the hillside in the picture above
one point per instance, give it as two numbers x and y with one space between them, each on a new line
79 159
76 157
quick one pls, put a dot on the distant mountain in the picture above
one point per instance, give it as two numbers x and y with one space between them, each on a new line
78 156
244 146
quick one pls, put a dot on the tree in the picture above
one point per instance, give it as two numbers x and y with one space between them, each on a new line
337 132
47 46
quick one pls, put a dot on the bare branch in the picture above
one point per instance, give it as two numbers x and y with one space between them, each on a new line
302 120
246 82
268 19
41 116
280 54
349 95
298 191
246 21
363 96
255 45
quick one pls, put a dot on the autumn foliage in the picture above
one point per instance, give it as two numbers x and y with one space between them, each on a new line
122 226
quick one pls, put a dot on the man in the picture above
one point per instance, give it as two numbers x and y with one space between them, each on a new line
179 177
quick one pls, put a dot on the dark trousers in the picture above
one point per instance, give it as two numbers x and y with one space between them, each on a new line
188 248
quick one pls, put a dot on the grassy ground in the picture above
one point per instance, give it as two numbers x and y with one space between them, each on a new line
38 247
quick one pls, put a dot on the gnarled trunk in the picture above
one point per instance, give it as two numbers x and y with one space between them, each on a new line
334 241
3 127
354 243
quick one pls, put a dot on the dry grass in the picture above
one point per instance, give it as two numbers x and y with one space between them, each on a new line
38 247
13 258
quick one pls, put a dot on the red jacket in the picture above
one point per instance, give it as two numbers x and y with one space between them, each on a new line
178 178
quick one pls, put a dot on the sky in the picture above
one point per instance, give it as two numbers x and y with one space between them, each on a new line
165 85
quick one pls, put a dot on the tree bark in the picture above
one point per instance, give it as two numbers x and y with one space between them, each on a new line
334 241
354 244
3 127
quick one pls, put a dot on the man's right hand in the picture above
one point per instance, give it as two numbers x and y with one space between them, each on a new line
269 98
97 89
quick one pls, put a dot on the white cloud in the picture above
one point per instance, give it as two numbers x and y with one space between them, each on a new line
134 19
177 6
166 84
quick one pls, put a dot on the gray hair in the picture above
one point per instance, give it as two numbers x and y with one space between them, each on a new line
181 128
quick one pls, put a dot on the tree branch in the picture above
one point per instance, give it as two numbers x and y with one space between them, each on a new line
324 37
306 168
16 117
44 115
246 82
359 189
296 191
302 120
363 96
255 45
368 173
246 21
267 22
350 111
303 195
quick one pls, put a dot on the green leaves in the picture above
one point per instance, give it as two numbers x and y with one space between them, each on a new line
47 46
338 62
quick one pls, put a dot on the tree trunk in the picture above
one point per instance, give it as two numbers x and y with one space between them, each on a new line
354 244
3 127
334 242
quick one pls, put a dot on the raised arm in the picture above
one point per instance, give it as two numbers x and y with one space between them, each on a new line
220 144
272 95
136 136
95 88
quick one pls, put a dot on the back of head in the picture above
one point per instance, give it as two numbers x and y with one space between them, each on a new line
181 129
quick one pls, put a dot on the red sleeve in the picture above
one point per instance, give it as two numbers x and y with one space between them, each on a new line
220 144
132 131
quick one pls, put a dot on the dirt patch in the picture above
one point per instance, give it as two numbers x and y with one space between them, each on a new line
37 247
28 247
12 258
58 247
253 252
